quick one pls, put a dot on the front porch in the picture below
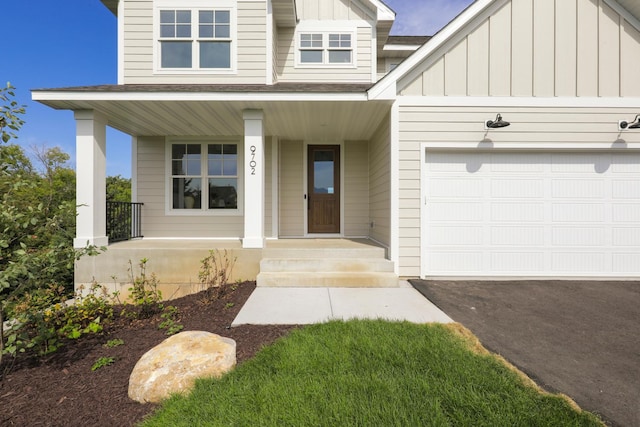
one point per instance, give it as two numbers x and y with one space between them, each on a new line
335 262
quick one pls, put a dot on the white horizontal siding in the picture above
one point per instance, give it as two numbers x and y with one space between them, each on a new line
541 48
291 189
379 183
356 188
139 46
287 71
151 185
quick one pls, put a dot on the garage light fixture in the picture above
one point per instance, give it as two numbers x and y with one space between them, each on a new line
635 124
497 123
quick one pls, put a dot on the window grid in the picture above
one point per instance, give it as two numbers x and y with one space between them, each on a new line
325 49
204 176
203 43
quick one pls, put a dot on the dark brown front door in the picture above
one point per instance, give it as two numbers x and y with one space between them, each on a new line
324 189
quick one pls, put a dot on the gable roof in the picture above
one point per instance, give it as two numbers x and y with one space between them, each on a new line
474 13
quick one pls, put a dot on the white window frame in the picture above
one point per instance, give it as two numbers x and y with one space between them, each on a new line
326 30
195 6
204 176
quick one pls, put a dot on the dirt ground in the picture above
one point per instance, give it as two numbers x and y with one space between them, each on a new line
62 390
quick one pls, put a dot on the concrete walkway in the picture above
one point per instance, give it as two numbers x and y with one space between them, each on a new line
303 306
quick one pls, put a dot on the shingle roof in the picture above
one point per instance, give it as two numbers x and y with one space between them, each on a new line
408 40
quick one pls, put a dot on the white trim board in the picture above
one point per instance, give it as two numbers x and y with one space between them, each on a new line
505 101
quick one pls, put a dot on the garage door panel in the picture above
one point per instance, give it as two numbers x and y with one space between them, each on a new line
624 164
626 189
517 212
517 188
447 187
626 237
578 189
532 214
517 236
578 262
569 163
626 262
578 212
456 212
579 236
514 261
625 213
507 162
456 235
455 262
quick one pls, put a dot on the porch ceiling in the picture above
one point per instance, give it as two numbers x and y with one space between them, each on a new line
326 117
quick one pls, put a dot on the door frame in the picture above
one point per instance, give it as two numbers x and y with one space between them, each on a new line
305 187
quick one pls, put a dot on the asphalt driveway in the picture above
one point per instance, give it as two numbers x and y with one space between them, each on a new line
580 338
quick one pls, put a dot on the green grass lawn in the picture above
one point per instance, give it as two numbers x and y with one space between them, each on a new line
371 373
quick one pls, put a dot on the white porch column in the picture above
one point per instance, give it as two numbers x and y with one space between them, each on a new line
91 172
253 179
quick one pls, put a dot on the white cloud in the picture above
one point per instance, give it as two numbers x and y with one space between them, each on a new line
424 17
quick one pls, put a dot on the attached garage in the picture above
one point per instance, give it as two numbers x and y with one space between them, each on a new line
494 213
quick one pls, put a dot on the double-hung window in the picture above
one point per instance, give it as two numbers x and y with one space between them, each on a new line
204 176
328 49
195 39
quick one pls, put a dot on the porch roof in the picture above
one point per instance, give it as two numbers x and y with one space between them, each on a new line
320 112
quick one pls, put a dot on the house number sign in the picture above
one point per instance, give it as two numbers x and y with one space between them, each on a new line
252 162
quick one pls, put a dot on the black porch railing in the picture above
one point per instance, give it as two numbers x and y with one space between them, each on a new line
124 221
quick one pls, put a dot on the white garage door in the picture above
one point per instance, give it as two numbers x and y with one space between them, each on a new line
531 214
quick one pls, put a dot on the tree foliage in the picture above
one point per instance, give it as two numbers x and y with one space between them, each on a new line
10 113
37 216
118 189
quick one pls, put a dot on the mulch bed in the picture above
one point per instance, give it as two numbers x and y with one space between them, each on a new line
62 390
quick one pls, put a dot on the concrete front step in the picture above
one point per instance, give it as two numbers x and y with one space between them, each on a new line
328 279
349 265
320 253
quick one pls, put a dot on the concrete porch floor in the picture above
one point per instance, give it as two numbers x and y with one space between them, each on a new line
302 243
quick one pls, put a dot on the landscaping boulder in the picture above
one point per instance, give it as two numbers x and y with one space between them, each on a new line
174 365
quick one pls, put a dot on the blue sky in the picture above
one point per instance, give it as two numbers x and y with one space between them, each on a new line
52 44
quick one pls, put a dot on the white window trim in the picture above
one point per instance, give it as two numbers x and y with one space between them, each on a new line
204 210
194 6
326 28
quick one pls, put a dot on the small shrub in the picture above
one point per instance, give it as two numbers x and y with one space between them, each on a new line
117 342
144 294
214 275
170 322
102 362
43 319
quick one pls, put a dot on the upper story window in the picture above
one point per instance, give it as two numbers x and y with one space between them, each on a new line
200 39
328 49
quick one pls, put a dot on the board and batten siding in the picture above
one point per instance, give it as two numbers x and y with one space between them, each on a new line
541 48
288 72
139 43
291 189
356 188
151 188
332 10
548 126
379 183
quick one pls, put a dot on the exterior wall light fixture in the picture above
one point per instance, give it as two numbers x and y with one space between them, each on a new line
497 123
635 124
